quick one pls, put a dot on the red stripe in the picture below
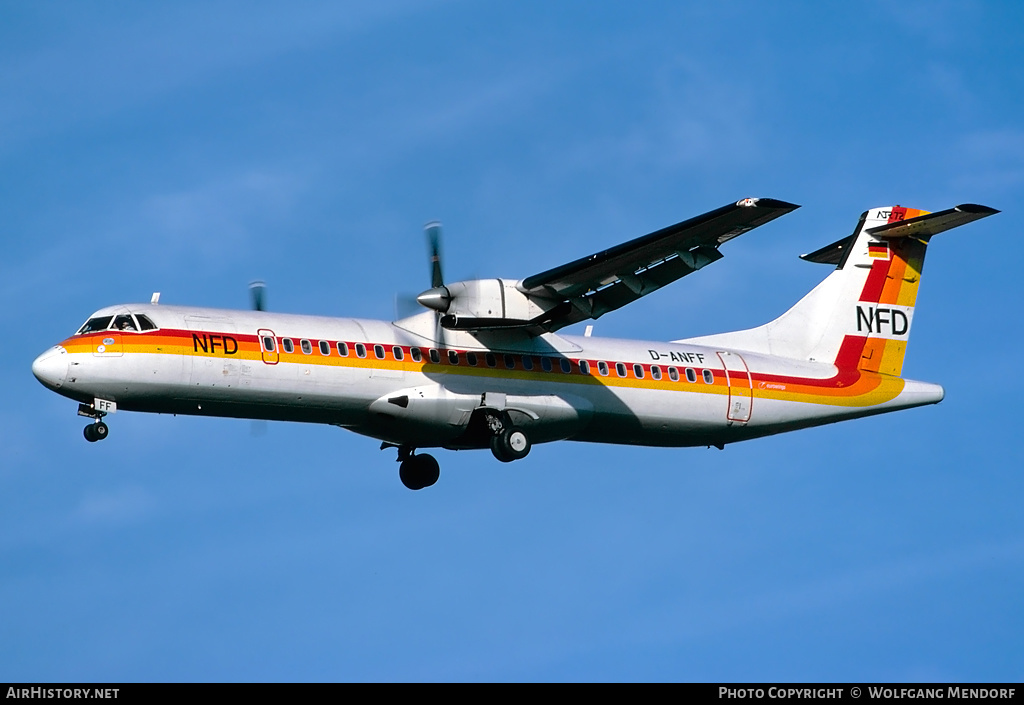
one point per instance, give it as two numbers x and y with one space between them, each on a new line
876 281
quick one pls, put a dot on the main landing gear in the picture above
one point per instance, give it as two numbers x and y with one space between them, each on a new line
507 442
510 444
417 471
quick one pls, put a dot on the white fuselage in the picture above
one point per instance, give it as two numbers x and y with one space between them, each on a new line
364 375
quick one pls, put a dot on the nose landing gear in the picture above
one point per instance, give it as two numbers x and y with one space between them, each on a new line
96 431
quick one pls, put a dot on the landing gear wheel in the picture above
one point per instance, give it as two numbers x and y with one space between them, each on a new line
510 444
95 432
419 471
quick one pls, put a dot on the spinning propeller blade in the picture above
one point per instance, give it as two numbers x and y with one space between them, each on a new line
434 244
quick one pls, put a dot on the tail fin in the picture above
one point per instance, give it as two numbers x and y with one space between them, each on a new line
860 315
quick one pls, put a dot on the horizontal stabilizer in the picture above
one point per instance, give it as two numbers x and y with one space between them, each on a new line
831 254
925 226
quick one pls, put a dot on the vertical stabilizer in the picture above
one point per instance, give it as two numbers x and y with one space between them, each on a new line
860 315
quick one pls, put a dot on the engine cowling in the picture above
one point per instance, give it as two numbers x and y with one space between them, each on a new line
483 303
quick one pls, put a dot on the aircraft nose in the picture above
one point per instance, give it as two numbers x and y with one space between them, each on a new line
51 368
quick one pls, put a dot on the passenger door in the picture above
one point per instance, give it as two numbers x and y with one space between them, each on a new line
268 346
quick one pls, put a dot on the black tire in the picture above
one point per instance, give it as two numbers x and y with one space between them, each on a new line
419 471
408 475
510 444
100 430
429 470
498 449
89 434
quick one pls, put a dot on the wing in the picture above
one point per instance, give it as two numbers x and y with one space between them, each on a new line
607 280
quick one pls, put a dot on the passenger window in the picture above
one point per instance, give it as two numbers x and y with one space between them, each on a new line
268 343
691 376
95 324
288 345
565 365
342 349
417 355
602 368
673 374
638 370
620 369
510 362
397 352
453 357
709 377
360 350
435 356
491 360
545 363
527 362
325 347
307 347
471 359
584 367
378 350
655 372
144 322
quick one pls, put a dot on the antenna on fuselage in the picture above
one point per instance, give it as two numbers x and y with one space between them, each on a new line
258 295
155 298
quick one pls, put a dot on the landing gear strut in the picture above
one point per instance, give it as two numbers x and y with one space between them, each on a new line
97 430
417 471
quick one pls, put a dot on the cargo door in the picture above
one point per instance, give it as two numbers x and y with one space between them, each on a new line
740 387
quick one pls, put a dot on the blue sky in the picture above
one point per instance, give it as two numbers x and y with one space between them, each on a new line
188 148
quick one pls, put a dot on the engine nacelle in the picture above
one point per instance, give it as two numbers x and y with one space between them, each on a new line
483 303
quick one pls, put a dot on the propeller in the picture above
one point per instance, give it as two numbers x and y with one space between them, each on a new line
433 229
436 298
258 295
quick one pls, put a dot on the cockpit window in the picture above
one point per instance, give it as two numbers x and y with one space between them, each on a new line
144 322
124 322
95 324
